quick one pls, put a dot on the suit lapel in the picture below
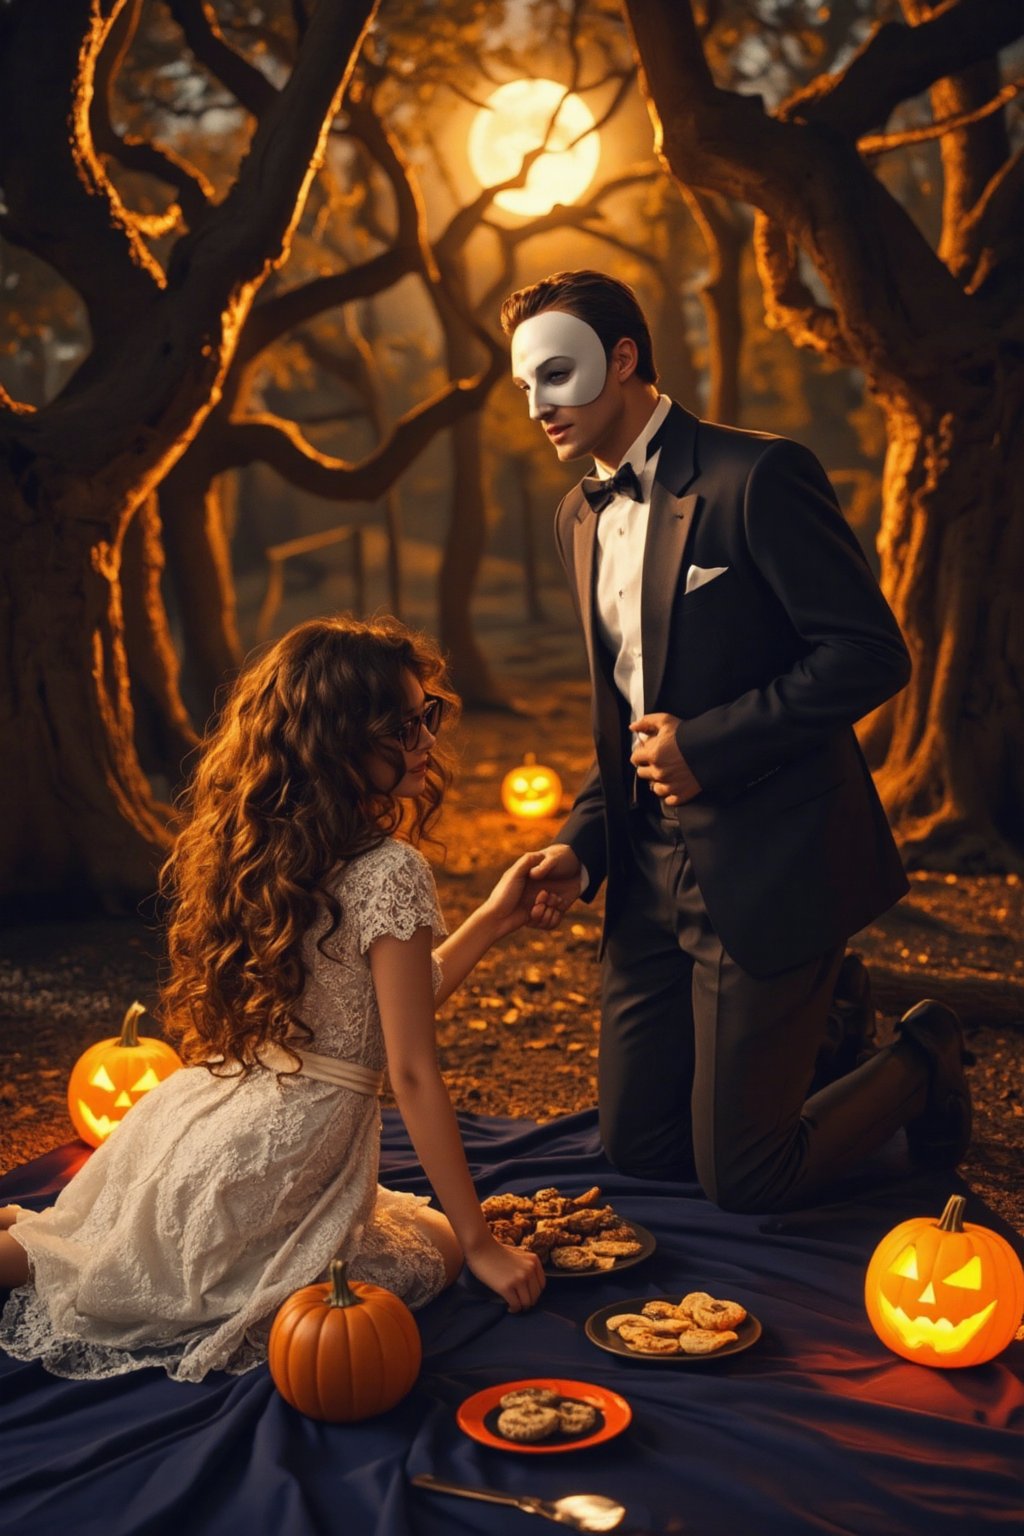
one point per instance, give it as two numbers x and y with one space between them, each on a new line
584 543
668 531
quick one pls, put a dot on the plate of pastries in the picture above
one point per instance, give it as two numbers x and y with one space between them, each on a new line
681 1330
573 1235
543 1414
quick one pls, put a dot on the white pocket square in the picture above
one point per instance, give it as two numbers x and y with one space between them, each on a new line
700 575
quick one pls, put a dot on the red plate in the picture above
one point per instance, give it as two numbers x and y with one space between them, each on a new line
615 1413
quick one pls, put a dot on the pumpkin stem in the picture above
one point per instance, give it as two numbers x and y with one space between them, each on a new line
952 1218
130 1026
341 1293
529 758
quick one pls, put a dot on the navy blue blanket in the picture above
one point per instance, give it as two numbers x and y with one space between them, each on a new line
815 1429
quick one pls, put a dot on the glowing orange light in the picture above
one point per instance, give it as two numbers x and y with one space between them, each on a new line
515 120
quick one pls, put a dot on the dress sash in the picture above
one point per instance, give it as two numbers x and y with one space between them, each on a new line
325 1069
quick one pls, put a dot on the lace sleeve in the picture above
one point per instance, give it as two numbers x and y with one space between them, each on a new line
397 895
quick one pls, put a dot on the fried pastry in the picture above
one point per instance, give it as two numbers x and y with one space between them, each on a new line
613 1250
718 1316
573 1258
660 1309
704 1341
505 1205
694 1299
505 1231
643 1341
589 1197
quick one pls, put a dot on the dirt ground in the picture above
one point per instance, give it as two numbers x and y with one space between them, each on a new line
521 1036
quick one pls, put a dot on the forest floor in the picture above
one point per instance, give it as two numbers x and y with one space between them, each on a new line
520 1038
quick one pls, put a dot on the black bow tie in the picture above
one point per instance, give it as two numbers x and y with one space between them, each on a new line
600 492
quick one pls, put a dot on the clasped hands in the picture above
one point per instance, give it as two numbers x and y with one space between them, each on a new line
547 882
657 758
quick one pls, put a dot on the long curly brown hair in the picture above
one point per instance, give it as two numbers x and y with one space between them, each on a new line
281 797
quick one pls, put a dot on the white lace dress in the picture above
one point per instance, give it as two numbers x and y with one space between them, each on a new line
217 1197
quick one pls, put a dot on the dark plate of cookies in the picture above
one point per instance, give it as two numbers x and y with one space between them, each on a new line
572 1235
681 1330
543 1415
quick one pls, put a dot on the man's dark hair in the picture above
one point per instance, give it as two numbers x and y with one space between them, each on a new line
609 307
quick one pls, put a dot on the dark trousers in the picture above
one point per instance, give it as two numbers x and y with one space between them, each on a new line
704 1069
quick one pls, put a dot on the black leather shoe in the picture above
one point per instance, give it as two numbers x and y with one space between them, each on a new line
941 1134
851 1036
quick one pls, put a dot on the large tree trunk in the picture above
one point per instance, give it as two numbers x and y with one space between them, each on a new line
466 538
460 565
950 747
938 338
199 562
81 823
78 815
163 731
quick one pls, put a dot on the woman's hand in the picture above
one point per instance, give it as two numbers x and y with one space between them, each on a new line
514 1273
517 899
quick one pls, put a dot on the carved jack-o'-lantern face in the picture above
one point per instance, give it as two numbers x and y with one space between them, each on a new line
113 1074
944 1293
531 789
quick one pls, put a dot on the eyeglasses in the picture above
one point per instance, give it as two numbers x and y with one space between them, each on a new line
408 733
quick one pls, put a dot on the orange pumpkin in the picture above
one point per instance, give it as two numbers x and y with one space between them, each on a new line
343 1350
113 1074
944 1292
531 789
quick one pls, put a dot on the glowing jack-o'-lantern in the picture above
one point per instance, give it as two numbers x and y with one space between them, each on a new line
113 1074
343 1350
531 789
944 1292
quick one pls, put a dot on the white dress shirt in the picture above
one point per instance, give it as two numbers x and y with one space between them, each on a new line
621 537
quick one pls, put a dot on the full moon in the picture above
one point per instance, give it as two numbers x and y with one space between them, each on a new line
514 121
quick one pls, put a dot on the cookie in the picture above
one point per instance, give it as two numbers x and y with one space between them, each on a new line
559 1235
704 1341
614 1323
613 1250
573 1258
668 1327
589 1197
618 1232
660 1309
694 1299
719 1315
602 1261
505 1231
575 1417
545 1397
505 1205
643 1341
527 1422
589 1221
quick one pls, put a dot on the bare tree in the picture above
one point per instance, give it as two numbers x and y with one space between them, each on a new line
938 333
80 822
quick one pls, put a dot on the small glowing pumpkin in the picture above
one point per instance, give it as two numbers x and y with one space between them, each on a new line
343 1350
944 1292
113 1074
531 789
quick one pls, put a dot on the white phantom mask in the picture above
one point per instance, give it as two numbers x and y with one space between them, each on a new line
559 358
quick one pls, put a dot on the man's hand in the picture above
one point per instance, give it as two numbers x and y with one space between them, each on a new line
659 760
556 877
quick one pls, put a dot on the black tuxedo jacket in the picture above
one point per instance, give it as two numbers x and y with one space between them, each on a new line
767 665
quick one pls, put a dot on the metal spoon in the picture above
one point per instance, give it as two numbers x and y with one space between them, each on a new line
583 1511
